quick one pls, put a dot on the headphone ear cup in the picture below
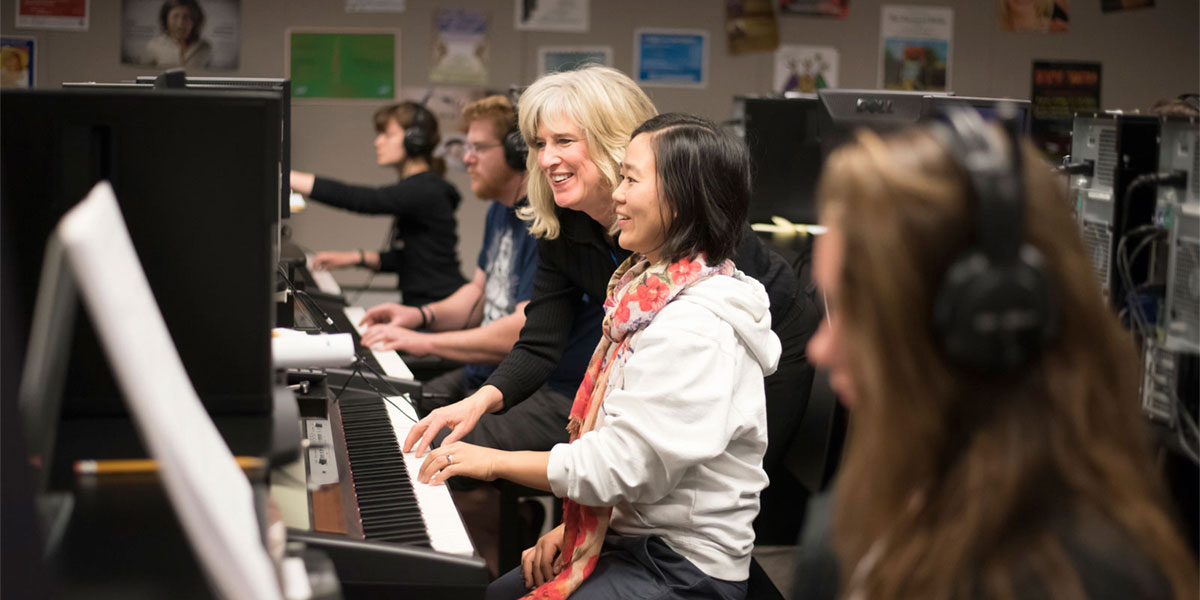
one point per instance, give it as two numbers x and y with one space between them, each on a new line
515 150
416 142
994 317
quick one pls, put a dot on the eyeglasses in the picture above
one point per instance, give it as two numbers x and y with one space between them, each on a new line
469 148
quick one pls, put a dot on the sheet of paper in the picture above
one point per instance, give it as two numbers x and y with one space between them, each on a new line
211 495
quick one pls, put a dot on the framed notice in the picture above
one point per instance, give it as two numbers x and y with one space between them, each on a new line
343 64
671 57
914 48
552 59
66 15
18 61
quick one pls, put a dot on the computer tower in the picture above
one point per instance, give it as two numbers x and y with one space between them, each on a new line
1121 147
1178 209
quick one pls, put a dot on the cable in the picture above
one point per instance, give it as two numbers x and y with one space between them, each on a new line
387 243
305 297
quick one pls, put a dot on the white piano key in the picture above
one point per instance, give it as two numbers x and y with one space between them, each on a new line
393 365
324 279
442 521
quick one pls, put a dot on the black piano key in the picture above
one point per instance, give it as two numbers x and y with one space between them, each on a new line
382 484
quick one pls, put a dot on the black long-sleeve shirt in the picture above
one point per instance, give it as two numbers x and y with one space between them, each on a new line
580 261
424 236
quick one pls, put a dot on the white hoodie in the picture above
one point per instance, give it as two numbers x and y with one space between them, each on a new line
678 445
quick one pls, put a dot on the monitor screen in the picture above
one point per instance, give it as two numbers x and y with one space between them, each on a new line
986 107
196 174
785 157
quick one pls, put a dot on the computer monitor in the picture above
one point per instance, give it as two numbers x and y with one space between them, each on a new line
196 173
844 111
284 87
789 139
785 157
281 86
986 107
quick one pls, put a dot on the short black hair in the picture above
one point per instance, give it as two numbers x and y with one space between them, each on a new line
193 7
704 177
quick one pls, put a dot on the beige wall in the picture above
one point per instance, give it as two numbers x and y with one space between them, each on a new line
1146 55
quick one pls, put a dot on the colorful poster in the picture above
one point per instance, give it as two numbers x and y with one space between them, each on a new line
18 59
837 9
751 26
460 47
1061 89
1119 5
343 64
671 57
206 34
1033 16
805 69
914 48
375 6
67 15
552 59
446 104
551 15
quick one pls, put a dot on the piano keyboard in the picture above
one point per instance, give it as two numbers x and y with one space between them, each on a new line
324 279
393 506
393 365
442 521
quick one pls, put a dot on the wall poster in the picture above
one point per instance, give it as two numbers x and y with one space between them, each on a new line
205 34
552 59
670 57
914 48
460 47
1059 90
343 64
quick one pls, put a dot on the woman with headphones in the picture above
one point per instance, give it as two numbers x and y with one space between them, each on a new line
995 448
422 247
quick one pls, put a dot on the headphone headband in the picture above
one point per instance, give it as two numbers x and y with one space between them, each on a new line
420 139
995 309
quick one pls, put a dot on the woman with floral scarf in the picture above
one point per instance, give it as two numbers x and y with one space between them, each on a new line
663 471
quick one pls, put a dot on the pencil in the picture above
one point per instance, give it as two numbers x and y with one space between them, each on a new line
145 465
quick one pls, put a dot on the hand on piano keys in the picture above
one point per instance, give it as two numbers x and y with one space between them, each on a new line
446 530
396 338
393 365
459 459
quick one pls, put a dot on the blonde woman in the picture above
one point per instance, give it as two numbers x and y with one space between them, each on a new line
1017 480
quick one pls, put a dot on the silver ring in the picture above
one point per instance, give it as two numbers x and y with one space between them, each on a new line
449 459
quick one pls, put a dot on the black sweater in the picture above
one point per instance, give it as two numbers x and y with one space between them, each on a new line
424 236
580 261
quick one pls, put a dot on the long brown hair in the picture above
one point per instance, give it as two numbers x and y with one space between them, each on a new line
957 477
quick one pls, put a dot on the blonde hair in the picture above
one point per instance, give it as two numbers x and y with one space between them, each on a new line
955 472
603 102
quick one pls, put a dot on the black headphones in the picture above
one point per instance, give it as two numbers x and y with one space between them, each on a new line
515 150
995 309
419 137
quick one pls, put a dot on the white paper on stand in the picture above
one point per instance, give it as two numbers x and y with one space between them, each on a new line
210 494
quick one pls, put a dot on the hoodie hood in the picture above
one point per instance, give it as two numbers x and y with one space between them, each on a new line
741 301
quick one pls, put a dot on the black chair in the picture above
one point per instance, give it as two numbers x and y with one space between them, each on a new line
759 586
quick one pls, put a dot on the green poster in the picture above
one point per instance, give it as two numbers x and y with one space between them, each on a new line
359 66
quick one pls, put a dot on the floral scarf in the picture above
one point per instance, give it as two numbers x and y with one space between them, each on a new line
637 291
